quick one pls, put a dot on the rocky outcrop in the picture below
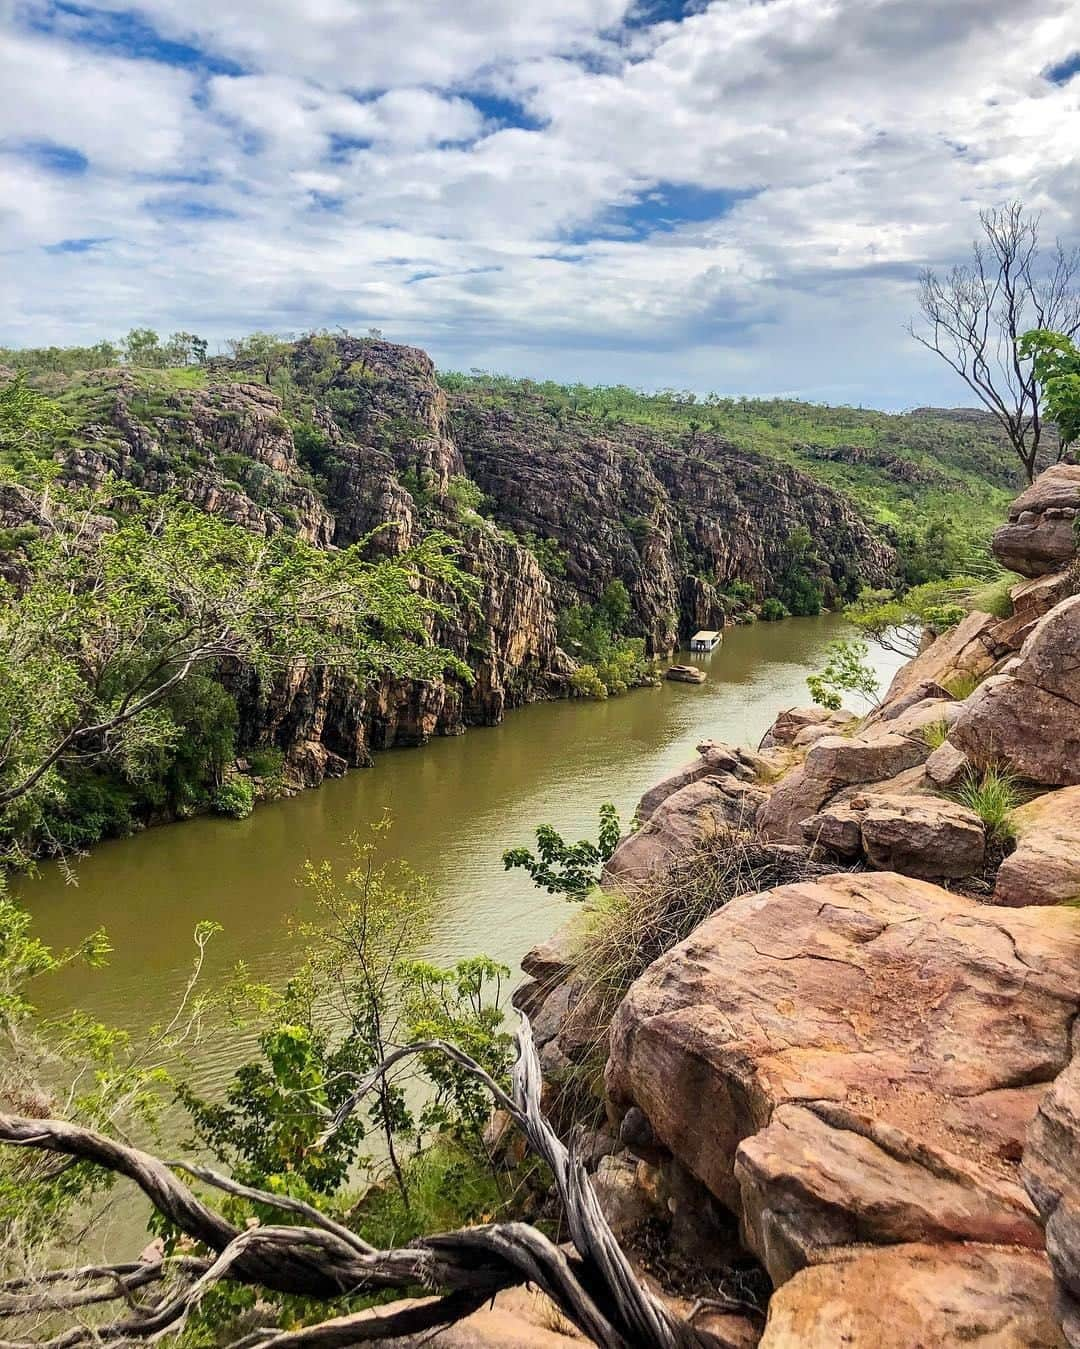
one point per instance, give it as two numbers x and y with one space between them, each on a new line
917 1297
918 836
1045 866
1040 536
804 725
833 763
681 825
673 519
1028 717
713 759
968 651
1052 1175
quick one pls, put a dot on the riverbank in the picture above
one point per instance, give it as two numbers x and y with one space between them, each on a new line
457 804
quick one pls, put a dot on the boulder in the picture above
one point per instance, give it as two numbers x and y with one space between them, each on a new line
832 764
1051 1172
916 693
917 1296
1045 867
914 1007
917 836
917 716
947 766
1040 537
516 1316
1050 658
794 720
817 1179
967 651
713 758
686 674
1032 731
1031 599
679 826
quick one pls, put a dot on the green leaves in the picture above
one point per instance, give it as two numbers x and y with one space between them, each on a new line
846 671
571 869
121 598
1056 363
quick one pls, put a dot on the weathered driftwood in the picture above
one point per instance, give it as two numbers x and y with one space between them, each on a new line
595 1286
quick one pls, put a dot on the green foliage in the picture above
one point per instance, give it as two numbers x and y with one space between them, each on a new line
571 869
611 663
353 1000
235 797
993 598
266 761
897 623
1056 365
962 686
936 733
993 796
846 671
548 553
464 497
772 610
126 597
28 421
799 582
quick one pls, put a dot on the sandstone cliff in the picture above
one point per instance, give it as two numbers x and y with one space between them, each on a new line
356 435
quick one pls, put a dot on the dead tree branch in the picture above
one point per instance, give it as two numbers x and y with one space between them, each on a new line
595 1286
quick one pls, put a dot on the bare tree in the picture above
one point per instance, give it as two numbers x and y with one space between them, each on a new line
974 317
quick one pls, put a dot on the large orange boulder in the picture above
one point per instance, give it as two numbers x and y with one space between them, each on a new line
917 1297
892 1010
1040 536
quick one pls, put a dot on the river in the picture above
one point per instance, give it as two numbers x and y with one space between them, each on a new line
456 805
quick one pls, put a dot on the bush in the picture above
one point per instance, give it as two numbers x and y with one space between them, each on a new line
235 797
588 683
772 610
464 496
266 761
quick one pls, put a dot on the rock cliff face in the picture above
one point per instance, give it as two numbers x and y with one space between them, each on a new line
674 519
358 436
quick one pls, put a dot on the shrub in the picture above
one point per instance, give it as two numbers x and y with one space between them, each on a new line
845 671
994 598
464 496
235 797
266 761
588 683
993 797
772 610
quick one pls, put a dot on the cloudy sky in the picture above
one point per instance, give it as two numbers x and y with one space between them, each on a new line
733 195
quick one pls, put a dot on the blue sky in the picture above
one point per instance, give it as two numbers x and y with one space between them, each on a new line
711 194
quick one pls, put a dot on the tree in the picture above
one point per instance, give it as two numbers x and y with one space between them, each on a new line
897 623
975 317
1056 361
571 869
846 670
28 420
142 346
262 350
121 597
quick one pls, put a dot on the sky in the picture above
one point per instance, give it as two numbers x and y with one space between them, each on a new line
728 195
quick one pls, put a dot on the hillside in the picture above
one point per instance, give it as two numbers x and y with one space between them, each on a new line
601 525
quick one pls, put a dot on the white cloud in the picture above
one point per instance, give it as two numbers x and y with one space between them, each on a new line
362 169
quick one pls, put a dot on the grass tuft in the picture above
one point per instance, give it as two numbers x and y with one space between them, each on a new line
993 796
936 733
962 686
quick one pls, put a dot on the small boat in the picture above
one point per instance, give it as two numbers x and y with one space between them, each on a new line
686 674
706 640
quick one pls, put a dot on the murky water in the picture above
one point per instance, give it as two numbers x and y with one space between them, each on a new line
456 804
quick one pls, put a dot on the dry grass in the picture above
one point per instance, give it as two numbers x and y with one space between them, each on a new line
624 932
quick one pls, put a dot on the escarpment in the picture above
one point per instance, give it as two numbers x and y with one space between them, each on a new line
355 440
856 1071
676 519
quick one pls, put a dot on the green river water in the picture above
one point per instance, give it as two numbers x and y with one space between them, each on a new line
456 805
